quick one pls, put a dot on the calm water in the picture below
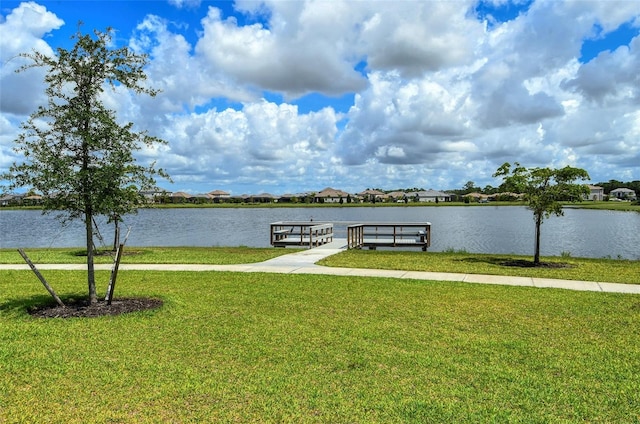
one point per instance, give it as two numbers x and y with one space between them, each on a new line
489 229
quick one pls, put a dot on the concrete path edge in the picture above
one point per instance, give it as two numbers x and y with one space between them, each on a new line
304 262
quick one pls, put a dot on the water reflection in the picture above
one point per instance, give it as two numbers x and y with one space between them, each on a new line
488 229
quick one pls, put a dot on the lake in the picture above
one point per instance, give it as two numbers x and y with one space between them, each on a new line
478 229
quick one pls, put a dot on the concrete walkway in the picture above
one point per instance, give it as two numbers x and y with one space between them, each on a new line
304 262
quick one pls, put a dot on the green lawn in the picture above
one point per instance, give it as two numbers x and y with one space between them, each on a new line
611 205
584 269
236 347
604 270
149 255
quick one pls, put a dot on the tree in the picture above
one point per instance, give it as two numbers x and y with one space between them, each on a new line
469 187
76 153
489 189
543 190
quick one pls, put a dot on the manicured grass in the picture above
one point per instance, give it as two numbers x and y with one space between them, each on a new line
604 270
584 269
613 206
150 255
235 347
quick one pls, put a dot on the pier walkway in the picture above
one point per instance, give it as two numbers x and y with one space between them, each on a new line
304 262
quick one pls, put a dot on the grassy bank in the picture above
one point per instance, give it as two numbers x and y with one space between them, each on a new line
605 270
566 268
611 206
149 255
229 347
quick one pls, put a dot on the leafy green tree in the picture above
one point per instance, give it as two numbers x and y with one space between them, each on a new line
76 153
544 189
489 189
470 187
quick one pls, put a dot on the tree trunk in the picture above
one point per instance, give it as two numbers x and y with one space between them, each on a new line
91 278
536 257
116 234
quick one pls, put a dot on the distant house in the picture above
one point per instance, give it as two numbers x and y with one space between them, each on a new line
623 194
287 198
595 193
398 196
11 199
219 195
263 198
478 197
373 195
429 196
180 197
330 195
154 194
32 200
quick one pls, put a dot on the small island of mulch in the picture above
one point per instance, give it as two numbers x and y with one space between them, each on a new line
82 308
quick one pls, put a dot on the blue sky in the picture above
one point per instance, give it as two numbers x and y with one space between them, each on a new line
293 96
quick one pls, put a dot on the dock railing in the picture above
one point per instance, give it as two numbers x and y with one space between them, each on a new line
381 234
301 233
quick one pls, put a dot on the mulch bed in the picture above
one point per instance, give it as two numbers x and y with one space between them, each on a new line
82 308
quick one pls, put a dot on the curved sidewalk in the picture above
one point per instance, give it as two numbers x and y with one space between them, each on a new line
304 262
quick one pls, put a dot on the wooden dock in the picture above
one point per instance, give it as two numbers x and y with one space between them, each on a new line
372 235
385 234
301 233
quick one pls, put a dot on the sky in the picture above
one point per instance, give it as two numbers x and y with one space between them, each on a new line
294 96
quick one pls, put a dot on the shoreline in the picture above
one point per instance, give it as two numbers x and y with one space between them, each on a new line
588 204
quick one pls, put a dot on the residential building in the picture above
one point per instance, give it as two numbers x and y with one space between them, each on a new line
180 197
429 196
623 194
330 195
373 195
201 198
32 200
154 194
219 195
12 199
397 196
595 193
263 198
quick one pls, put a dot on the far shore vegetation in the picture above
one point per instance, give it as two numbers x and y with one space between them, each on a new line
587 204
